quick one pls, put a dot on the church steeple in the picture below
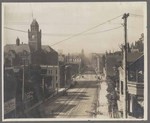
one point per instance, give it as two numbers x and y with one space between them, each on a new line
34 36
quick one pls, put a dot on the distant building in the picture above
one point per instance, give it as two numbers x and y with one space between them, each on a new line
68 67
61 58
112 61
98 62
76 59
51 72
138 46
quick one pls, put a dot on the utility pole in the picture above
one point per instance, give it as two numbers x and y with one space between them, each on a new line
43 85
98 65
23 81
65 77
125 16
23 70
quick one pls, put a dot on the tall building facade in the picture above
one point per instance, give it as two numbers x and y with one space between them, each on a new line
24 80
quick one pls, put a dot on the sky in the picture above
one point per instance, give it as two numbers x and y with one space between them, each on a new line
64 21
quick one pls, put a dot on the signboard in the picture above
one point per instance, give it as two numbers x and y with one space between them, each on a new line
9 106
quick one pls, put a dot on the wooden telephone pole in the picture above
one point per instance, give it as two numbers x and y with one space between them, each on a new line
125 114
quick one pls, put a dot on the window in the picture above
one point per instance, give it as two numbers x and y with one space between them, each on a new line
57 85
43 71
33 36
56 78
122 87
56 71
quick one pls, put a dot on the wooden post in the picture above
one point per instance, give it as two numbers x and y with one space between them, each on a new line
125 16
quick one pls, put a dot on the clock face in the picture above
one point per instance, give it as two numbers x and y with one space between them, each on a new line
33 36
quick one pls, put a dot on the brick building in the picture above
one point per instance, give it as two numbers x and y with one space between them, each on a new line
31 53
29 59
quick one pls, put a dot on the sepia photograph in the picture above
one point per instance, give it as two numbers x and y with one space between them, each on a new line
74 61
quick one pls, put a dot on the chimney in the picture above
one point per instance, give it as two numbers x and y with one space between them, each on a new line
17 41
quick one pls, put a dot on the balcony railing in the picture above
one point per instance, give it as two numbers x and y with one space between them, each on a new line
136 88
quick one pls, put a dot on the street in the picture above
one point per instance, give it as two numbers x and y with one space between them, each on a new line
79 101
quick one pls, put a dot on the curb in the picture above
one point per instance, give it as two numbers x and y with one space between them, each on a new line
34 106
40 102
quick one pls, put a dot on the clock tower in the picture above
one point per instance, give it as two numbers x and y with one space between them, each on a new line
34 36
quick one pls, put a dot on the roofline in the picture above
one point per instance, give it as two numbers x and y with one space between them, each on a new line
49 47
137 59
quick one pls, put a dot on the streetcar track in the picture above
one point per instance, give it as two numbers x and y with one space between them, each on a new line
77 104
65 104
61 108
68 114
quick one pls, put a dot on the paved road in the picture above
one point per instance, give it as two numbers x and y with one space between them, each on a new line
78 103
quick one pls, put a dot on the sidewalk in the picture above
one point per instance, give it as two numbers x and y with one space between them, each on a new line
103 104
60 91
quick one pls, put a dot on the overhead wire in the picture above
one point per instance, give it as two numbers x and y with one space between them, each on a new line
136 15
86 30
77 34
86 34
104 30
52 34
15 29
93 33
